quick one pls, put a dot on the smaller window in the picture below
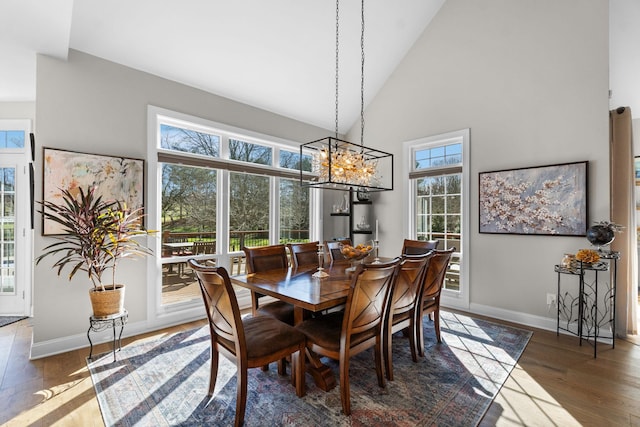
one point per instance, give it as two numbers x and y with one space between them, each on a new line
291 160
251 153
12 138
189 141
438 156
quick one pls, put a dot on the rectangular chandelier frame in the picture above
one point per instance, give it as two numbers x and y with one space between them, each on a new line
340 165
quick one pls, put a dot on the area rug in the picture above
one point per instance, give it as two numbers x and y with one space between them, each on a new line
163 381
7 320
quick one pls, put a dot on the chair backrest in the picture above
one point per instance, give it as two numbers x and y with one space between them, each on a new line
368 299
303 253
264 258
333 249
204 248
407 288
221 305
436 271
418 247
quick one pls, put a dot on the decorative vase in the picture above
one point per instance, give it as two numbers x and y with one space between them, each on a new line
600 235
108 302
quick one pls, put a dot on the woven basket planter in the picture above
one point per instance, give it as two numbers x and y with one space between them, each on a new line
108 302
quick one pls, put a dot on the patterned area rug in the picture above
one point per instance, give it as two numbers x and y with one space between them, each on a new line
7 320
163 382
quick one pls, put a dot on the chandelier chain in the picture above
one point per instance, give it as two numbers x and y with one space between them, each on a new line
362 77
337 57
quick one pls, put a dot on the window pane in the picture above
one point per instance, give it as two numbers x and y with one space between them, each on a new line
248 152
248 211
8 176
189 141
453 204
438 156
294 212
12 138
291 160
188 222
437 205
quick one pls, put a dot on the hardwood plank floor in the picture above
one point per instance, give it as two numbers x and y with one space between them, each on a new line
556 383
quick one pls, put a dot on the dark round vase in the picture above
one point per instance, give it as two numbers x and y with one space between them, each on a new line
600 235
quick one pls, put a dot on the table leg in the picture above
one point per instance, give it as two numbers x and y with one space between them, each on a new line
321 373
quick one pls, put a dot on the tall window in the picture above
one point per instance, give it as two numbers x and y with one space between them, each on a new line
437 181
221 189
15 239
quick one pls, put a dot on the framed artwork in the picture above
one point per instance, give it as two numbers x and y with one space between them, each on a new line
543 200
116 178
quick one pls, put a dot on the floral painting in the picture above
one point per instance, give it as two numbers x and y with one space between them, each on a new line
546 200
117 178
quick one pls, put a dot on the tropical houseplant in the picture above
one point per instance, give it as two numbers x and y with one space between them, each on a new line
98 234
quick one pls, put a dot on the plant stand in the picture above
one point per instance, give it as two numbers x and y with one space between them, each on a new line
99 324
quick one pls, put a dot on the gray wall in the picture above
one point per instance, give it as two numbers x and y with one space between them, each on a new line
91 105
530 80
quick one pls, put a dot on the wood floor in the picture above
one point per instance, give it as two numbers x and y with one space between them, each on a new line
556 383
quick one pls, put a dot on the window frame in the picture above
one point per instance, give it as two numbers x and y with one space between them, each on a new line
450 298
224 167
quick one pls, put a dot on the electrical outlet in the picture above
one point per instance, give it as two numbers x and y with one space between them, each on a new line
551 299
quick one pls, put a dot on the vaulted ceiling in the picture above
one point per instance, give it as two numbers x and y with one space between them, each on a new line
278 55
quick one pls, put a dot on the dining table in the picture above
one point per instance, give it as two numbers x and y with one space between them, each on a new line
308 295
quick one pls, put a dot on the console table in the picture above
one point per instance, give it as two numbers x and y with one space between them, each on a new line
589 310
99 324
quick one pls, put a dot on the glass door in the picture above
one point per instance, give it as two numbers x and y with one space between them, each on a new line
15 232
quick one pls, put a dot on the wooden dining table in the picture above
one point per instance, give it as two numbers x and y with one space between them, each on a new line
308 295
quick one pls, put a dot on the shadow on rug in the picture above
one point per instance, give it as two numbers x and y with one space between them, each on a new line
163 382
7 320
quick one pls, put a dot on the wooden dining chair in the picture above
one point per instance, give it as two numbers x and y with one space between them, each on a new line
431 290
333 249
248 342
405 304
341 335
265 258
303 254
418 247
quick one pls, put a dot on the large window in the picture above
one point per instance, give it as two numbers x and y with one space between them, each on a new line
437 187
220 189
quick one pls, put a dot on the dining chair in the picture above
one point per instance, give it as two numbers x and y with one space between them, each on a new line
418 247
203 248
404 306
303 254
333 249
265 258
248 342
341 335
431 289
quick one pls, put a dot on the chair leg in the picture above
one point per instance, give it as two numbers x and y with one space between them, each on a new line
413 340
241 395
436 323
345 394
378 358
388 357
213 376
298 371
419 328
282 366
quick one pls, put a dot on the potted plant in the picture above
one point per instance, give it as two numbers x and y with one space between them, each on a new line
98 235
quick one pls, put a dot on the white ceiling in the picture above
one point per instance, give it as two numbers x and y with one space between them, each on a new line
278 55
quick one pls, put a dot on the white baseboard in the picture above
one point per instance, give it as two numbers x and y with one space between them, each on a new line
546 323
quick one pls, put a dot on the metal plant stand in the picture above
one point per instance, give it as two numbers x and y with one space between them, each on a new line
99 324
589 311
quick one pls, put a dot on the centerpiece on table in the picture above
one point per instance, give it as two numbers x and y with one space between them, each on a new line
355 254
98 234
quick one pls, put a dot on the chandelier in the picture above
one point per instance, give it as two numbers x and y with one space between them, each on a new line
337 164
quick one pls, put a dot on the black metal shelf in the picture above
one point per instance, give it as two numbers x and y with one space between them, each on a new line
585 313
